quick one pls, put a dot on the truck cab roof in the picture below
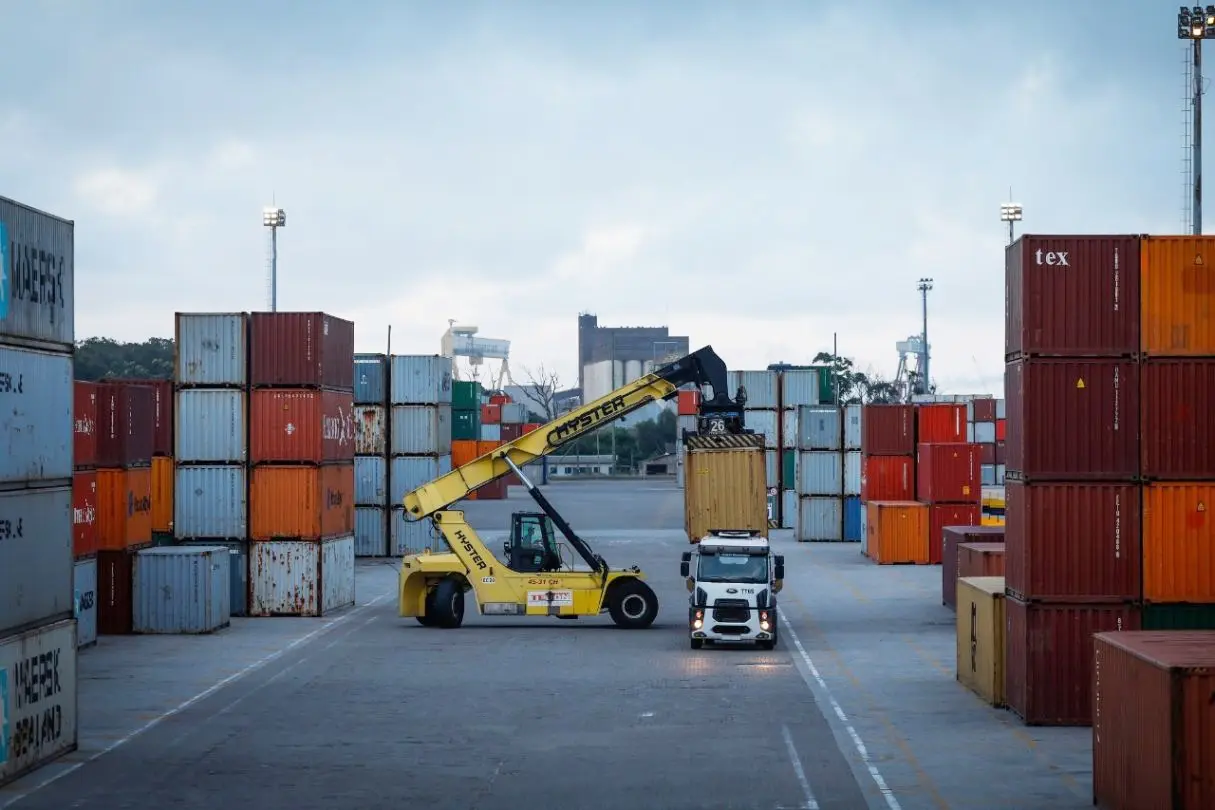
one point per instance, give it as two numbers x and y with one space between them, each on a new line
745 542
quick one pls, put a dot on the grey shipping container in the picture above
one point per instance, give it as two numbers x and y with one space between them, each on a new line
788 509
35 557
84 584
210 425
820 427
420 379
210 502
370 481
853 463
211 348
798 387
370 430
238 572
765 422
370 531
421 430
820 472
760 385
181 589
37 278
411 537
301 578
37 682
514 413
370 378
821 519
35 417
985 432
852 427
407 473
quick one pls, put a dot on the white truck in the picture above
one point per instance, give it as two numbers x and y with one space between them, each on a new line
733 577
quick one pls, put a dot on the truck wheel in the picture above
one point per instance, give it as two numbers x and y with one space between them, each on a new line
767 644
632 604
697 643
427 619
449 604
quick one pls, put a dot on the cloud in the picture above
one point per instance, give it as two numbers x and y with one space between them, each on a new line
118 192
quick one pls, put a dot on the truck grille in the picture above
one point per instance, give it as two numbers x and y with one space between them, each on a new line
731 610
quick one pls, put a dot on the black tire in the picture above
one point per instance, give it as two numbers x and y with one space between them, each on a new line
449 604
697 643
767 644
427 619
632 604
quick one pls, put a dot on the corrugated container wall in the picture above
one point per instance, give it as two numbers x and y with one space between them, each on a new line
238 572
1178 296
370 430
981 560
853 466
84 513
293 424
1179 542
820 472
183 589
36 435
370 531
84 425
84 595
301 349
943 515
943 422
411 537
820 519
370 379
162 409
1177 433
724 489
798 386
124 502
1154 721
162 494
210 503
292 578
819 427
371 481
420 379
211 349
852 426
55 706
35 562
887 478
421 429
126 419
1073 296
407 473
897 532
211 425
114 592
766 423
761 388
38 307
980 637
888 430
788 428
948 473
301 503
951 537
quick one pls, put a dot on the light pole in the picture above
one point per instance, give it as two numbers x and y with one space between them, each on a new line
274 218
1197 24
1010 212
924 285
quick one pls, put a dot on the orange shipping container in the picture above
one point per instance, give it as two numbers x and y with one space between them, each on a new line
463 451
1177 296
162 494
1178 542
124 508
290 502
897 532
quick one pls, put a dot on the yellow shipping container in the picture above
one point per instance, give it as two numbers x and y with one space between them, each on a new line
162 494
1177 296
981 637
725 485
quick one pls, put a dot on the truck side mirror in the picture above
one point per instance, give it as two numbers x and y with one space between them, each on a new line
684 568
780 566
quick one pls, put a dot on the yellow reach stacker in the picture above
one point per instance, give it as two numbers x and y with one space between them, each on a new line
532 578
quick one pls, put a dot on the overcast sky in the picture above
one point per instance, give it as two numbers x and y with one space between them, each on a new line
757 176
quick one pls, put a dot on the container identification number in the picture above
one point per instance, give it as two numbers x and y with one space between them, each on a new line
12 529
10 384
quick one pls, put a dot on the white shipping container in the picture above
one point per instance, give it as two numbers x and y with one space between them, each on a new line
820 427
35 416
421 429
210 425
84 585
984 432
820 472
407 473
411 537
970 431
37 278
852 473
420 379
852 427
760 385
370 430
789 421
788 509
370 481
764 422
211 348
799 387
772 468
514 413
35 557
300 578
1000 408
210 502
37 697
181 589
370 531
820 520
491 433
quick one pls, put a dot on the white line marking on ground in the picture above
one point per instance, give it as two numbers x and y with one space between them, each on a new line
859 744
811 802
211 690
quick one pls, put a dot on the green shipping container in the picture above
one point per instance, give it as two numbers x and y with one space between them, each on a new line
788 470
466 424
826 385
1179 617
465 396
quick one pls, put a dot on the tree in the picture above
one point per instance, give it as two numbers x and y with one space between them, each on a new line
859 387
541 391
98 358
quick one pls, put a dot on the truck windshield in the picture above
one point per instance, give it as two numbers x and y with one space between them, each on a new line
733 568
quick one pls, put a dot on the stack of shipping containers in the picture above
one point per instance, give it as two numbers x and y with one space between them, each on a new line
985 427
947 471
162 457
371 505
762 414
820 473
84 509
36 566
896 526
513 416
1073 530
420 392
301 454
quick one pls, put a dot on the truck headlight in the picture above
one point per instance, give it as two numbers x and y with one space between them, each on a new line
764 623
698 619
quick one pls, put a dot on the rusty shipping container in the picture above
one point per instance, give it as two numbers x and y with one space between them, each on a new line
126 415
940 422
84 425
163 477
301 350
38 279
370 430
942 515
948 473
1154 720
950 538
1075 542
1072 296
292 578
1073 420
1049 657
84 513
124 508
897 532
115 610
1179 542
301 502
301 425
888 430
1176 315
1176 431
725 487
981 560
162 422
887 478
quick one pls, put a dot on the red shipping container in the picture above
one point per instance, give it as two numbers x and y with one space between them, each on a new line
948 473
1073 420
1048 657
1154 720
984 409
888 430
940 422
1177 433
162 423
1072 296
1001 429
952 537
126 415
301 350
987 453
688 403
887 478
115 611
301 425
499 399
494 490
530 426
84 425
1001 453
491 414
1074 542
948 514
84 513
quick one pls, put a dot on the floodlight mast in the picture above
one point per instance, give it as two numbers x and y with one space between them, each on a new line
274 218
1010 212
1196 24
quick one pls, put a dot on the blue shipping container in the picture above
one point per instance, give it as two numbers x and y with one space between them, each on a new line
407 473
210 425
238 572
370 531
410 537
420 379
211 348
370 376
853 530
181 589
37 278
35 416
370 481
210 503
